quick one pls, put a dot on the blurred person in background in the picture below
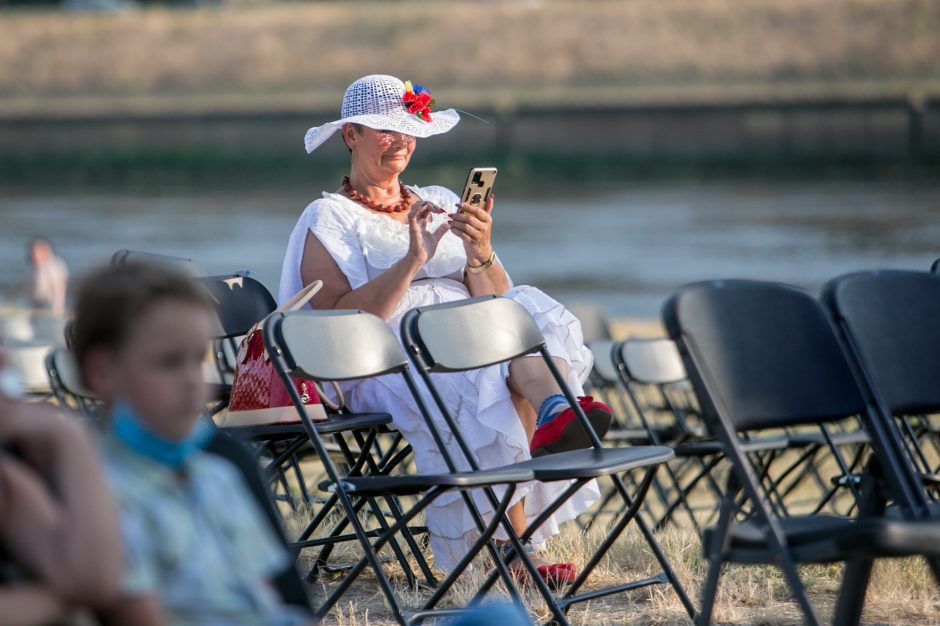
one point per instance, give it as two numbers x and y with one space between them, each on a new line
60 555
197 548
47 278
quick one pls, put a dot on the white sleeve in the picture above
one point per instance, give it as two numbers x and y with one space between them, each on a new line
336 231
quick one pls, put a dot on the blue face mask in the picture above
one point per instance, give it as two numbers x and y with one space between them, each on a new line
127 428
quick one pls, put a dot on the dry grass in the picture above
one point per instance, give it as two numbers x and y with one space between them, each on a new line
476 54
901 591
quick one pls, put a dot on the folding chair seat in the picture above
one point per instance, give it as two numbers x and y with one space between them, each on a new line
761 356
487 330
351 345
828 539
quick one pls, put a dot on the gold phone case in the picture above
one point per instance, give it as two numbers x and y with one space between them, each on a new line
479 186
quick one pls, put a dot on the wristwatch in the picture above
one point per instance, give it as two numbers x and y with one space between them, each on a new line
482 268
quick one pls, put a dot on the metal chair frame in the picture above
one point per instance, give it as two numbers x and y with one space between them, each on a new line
332 360
739 392
491 330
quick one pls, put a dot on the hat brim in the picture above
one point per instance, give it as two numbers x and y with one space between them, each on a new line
403 122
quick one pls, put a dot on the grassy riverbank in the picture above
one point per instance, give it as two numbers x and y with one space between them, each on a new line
218 96
521 174
286 55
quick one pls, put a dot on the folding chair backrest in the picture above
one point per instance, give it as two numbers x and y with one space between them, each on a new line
893 318
766 352
492 330
187 266
594 326
653 361
242 302
338 345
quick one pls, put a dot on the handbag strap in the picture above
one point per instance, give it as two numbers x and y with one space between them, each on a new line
296 303
302 297
336 406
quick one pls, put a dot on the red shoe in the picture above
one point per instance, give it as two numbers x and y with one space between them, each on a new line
555 575
564 432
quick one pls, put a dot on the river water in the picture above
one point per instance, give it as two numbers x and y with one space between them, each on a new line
624 249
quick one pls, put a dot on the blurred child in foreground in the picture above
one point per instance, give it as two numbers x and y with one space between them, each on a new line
197 549
59 547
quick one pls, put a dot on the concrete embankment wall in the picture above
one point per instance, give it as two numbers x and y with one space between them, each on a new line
870 131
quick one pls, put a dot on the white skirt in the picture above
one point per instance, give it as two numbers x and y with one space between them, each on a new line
481 404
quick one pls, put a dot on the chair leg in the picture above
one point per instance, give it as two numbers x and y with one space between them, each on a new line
657 550
852 595
709 591
716 551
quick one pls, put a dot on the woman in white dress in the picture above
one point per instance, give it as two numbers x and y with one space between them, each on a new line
385 248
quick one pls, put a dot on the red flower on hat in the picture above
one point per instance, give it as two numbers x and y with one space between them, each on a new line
418 100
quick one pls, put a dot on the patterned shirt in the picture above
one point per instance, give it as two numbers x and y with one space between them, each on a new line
197 540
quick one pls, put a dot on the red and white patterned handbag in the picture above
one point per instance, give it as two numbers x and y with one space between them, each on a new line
258 393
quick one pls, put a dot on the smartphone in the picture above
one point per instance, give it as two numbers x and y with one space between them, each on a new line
479 186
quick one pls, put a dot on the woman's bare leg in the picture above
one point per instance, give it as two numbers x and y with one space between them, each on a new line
526 412
530 378
538 380
516 512
516 515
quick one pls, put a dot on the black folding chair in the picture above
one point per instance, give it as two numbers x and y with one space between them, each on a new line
356 439
891 322
761 356
487 330
350 345
654 366
67 388
187 266
287 582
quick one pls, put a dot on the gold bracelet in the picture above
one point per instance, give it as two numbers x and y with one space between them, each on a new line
482 268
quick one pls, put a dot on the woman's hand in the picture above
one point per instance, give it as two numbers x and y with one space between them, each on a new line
474 226
423 242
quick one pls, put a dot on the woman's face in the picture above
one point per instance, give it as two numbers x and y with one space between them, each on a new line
379 151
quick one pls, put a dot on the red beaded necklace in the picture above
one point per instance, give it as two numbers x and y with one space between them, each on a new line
375 206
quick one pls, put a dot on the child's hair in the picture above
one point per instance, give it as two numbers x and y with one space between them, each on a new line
111 298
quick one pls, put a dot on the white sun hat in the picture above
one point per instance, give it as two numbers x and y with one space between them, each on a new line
377 101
